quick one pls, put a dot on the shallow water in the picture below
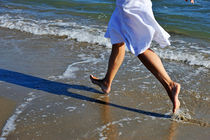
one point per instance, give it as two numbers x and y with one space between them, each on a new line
87 22
176 16
48 78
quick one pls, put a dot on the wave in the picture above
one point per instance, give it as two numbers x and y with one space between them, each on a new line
94 35
56 28
191 59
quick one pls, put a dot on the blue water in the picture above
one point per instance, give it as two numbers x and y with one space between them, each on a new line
175 16
184 18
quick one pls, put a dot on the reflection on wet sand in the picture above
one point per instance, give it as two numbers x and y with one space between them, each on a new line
110 131
173 131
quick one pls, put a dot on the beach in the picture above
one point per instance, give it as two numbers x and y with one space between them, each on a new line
45 91
57 101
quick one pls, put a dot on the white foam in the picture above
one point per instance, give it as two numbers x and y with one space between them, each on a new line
55 27
206 98
70 108
48 106
95 35
66 98
181 114
10 125
191 59
44 116
179 41
71 69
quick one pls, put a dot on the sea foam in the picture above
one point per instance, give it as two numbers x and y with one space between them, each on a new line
55 27
69 73
191 59
95 35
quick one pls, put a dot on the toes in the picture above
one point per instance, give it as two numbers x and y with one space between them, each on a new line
95 80
92 77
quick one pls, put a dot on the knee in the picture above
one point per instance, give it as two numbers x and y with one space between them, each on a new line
119 44
145 54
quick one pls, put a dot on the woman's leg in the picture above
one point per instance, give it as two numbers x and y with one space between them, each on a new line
115 61
154 64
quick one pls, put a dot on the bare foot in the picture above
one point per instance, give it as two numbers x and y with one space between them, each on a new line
105 88
175 93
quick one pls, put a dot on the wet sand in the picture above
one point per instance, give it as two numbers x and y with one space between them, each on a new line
48 79
6 110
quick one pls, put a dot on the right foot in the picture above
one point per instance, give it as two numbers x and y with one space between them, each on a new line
175 93
105 88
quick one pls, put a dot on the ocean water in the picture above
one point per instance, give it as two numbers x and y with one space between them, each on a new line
49 48
86 21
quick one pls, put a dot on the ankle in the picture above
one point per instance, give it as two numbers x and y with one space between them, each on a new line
106 82
171 85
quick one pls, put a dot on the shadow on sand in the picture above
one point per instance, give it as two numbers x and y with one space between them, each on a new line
62 89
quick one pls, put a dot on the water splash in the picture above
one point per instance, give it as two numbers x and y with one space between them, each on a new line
184 117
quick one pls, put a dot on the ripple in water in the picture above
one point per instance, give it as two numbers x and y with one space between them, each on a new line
184 117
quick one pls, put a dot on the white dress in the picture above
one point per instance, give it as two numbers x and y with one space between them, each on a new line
133 22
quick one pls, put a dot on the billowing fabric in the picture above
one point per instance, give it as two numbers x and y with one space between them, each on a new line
133 22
